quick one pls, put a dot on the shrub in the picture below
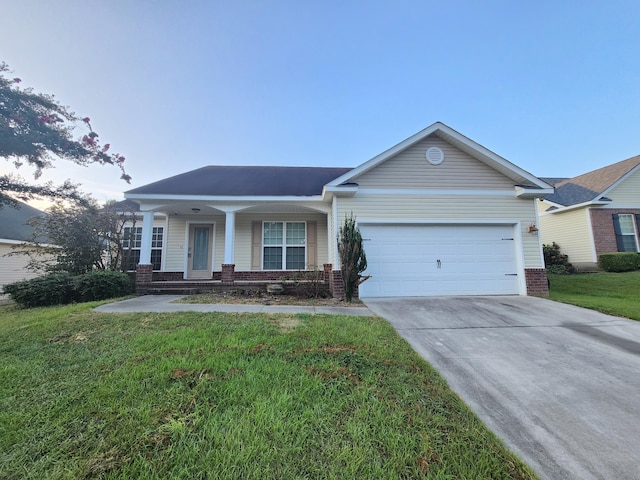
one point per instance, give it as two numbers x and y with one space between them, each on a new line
52 289
619 262
62 288
555 261
102 284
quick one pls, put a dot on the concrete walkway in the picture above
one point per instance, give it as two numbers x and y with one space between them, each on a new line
163 303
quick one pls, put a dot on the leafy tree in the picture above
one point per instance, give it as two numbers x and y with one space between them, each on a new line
37 130
353 260
80 237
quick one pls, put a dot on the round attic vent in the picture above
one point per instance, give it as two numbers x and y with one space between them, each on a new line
435 156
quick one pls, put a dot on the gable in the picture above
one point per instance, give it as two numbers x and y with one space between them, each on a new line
627 192
409 169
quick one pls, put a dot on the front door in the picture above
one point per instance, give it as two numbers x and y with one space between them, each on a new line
199 256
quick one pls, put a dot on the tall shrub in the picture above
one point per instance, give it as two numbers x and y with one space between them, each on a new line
555 261
353 260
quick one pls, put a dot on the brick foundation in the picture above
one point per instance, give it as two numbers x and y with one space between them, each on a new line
537 282
144 277
228 273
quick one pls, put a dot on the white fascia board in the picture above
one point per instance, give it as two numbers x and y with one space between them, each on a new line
474 149
229 199
523 192
472 221
26 243
620 180
340 191
399 192
578 205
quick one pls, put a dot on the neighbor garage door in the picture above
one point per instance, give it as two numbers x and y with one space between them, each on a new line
421 260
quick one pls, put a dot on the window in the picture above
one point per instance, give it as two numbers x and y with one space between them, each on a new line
284 246
625 229
132 242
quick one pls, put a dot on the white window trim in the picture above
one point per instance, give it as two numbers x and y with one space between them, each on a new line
161 248
283 245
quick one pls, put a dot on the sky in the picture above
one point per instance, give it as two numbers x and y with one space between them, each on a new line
552 86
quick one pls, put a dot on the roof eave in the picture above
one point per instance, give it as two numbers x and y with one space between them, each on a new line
524 192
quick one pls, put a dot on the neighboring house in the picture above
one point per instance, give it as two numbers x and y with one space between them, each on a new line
439 214
594 213
15 230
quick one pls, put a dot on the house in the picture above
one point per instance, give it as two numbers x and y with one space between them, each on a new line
14 231
594 213
439 214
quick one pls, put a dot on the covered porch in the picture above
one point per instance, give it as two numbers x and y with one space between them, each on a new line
240 246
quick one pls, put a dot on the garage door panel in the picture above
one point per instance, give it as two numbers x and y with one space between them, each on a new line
473 260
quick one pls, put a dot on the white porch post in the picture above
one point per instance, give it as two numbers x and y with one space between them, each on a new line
147 234
229 237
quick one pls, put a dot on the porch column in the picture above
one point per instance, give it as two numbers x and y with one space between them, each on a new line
147 234
229 237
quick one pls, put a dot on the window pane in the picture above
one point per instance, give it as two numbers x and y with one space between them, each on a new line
273 233
156 258
628 243
626 224
156 239
295 258
295 233
272 258
132 259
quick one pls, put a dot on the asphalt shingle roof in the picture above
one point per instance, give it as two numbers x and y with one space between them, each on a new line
217 180
13 222
591 185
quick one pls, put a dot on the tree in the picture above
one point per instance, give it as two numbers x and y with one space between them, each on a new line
353 260
37 130
80 237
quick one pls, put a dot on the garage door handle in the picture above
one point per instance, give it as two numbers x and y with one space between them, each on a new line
511 274
438 263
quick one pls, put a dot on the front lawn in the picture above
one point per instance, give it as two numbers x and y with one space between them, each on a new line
193 395
613 293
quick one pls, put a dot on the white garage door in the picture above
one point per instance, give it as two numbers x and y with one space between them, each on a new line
421 260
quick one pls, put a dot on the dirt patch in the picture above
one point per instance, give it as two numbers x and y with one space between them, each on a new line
252 297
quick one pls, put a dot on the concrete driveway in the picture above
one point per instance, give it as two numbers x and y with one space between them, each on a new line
559 384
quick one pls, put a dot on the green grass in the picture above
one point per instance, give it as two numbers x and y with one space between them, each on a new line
192 395
612 293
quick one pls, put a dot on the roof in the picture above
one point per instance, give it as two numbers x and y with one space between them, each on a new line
520 177
591 186
215 180
13 222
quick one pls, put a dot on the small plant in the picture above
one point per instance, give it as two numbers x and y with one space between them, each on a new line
309 283
555 261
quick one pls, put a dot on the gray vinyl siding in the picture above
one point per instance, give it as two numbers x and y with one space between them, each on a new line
410 170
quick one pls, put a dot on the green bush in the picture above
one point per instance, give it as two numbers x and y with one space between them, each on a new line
62 288
52 289
619 262
555 261
102 284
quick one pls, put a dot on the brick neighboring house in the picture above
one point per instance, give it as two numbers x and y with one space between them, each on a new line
594 213
439 214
